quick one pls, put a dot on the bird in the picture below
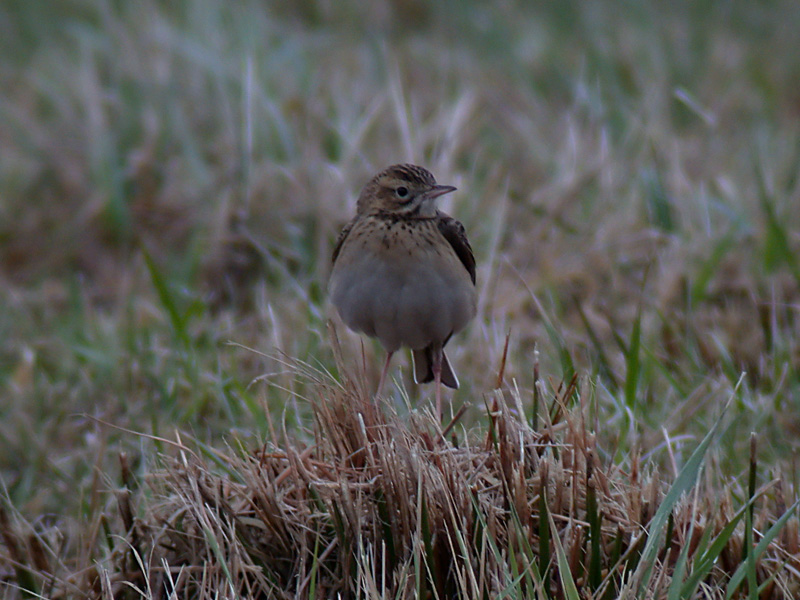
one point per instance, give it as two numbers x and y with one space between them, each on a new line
404 272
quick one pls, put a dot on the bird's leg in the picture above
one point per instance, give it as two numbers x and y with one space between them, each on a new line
383 373
437 379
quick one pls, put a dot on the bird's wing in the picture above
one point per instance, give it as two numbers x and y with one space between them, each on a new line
341 239
453 231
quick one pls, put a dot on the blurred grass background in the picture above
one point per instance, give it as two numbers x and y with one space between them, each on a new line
173 176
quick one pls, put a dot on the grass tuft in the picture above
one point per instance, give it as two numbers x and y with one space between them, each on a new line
378 506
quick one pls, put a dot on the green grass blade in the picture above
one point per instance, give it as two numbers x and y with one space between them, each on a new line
567 582
312 586
777 248
604 367
529 573
633 361
211 540
683 482
386 526
771 534
167 299
709 268
498 555
704 563
595 533
218 459
659 203
544 533
675 589
752 582
749 563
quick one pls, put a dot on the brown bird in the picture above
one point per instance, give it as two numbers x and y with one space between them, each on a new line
403 271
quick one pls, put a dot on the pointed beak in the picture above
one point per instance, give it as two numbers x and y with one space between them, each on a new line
439 190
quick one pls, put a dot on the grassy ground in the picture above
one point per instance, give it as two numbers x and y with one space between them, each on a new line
172 179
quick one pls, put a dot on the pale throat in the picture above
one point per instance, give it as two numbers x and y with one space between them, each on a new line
427 208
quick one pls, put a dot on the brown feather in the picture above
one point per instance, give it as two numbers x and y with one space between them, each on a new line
453 231
340 240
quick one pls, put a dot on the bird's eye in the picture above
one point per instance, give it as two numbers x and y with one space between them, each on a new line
402 192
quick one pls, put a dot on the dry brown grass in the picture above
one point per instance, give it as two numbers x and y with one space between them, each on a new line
378 506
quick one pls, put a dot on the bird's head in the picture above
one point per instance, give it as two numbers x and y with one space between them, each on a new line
402 189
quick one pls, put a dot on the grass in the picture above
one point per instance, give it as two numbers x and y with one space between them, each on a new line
172 179
380 506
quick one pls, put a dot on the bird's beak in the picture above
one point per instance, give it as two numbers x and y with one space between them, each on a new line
439 190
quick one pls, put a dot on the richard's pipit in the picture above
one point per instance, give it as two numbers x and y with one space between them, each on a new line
404 272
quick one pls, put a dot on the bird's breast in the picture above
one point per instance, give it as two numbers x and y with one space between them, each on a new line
403 284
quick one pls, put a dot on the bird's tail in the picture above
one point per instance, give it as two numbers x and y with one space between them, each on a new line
423 368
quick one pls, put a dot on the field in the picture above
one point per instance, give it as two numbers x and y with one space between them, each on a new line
181 415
